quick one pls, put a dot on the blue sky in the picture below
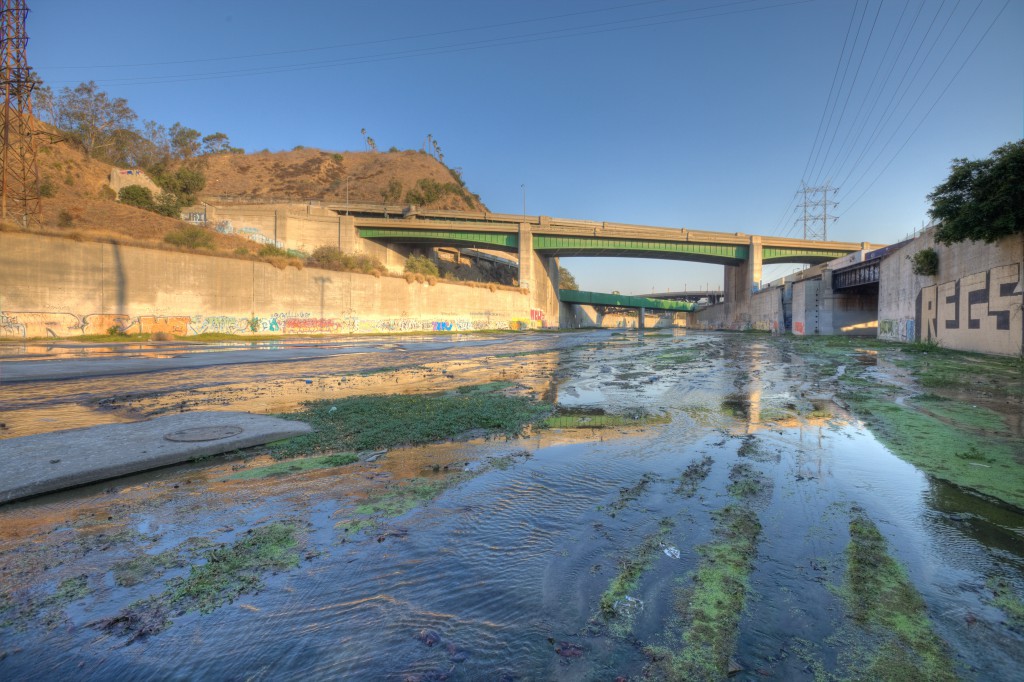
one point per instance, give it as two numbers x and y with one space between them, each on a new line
680 113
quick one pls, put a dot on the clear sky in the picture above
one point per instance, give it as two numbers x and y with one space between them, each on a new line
680 113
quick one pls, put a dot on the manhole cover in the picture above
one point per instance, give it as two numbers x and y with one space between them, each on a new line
203 433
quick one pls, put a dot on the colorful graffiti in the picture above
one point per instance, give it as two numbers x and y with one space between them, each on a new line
44 324
978 312
897 330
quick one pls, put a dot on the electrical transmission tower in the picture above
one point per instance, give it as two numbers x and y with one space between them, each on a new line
19 174
816 204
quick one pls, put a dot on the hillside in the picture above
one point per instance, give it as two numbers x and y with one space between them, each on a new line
304 174
78 203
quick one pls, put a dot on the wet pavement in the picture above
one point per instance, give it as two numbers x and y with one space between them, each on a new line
499 567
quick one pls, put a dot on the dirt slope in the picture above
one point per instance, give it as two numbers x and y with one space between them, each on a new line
304 174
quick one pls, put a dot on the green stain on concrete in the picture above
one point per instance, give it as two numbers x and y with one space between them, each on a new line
716 600
884 603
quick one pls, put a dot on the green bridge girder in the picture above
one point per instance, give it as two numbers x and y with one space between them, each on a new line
503 241
620 301
810 256
724 254
559 246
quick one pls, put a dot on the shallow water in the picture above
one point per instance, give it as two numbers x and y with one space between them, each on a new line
490 578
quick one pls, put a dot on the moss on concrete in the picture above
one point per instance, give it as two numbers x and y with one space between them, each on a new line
882 601
1006 599
384 421
712 606
631 568
140 568
693 475
228 572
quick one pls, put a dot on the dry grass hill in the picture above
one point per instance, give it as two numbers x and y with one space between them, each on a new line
78 203
304 174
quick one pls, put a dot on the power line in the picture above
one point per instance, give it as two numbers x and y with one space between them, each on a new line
853 85
934 104
414 36
540 36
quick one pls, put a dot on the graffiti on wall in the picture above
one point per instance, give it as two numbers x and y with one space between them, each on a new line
977 312
250 233
897 330
46 324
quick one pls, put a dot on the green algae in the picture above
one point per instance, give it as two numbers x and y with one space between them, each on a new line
882 601
384 421
228 572
631 568
294 466
745 481
631 493
603 421
17 614
693 475
141 568
1004 598
712 606
983 462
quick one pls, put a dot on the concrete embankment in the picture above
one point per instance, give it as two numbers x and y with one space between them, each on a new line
52 287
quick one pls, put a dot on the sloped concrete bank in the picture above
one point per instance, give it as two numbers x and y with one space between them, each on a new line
53 287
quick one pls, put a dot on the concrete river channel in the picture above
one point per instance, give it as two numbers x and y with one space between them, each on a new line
676 505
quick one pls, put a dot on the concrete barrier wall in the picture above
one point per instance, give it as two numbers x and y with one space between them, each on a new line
762 311
60 287
973 303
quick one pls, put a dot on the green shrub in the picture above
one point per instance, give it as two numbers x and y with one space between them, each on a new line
925 262
421 265
46 189
332 258
190 237
138 196
65 219
271 251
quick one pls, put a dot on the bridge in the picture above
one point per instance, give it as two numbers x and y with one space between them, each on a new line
540 240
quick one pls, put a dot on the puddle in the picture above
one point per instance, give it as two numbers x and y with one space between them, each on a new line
499 570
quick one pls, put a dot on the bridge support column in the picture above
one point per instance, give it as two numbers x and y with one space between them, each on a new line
740 282
539 274
641 323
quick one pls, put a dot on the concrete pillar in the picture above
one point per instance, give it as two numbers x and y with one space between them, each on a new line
539 274
744 279
642 322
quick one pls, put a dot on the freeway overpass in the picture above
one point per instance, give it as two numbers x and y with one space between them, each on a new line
540 240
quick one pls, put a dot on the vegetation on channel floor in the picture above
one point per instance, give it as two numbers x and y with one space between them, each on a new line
616 600
228 572
383 421
941 424
712 606
883 602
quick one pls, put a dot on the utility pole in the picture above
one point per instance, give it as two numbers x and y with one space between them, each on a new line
816 199
19 173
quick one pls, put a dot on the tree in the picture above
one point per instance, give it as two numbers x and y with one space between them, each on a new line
185 141
393 193
89 116
566 280
981 200
216 143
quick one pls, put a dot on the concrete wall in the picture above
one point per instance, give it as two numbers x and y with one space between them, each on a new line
300 228
762 310
973 303
60 287
120 178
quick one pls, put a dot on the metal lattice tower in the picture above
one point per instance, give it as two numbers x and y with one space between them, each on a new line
19 174
810 205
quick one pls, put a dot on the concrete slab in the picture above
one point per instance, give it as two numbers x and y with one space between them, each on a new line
32 465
